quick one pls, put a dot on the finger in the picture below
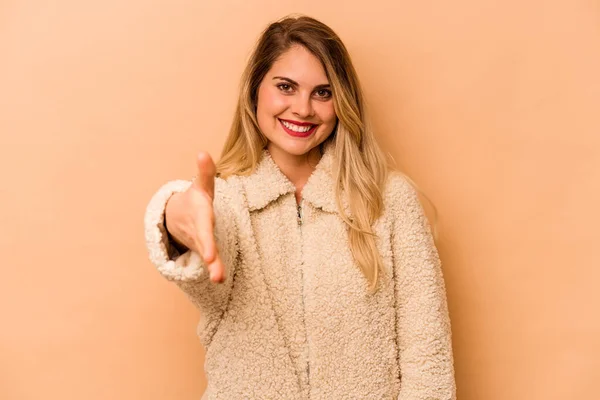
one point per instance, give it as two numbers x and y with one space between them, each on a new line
207 249
216 270
206 239
199 248
205 178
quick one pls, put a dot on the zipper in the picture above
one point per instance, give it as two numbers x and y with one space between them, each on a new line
300 222
299 211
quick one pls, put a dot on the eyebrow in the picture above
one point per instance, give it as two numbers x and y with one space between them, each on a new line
293 82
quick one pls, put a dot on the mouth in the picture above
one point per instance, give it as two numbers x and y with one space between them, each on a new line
298 130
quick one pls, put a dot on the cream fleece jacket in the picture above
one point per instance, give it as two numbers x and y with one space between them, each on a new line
293 319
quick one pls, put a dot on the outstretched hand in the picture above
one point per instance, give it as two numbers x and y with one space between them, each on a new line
190 217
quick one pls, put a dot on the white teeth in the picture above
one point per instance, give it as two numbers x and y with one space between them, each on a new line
297 128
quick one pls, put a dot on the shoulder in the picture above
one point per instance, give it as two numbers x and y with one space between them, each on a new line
228 193
402 203
221 184
226 186
399 191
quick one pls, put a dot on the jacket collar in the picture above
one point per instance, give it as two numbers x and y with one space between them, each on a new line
267 183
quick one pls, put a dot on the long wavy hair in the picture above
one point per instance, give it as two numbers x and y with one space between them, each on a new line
360 167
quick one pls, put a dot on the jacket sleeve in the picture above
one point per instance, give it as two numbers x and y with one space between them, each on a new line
423 323
188 270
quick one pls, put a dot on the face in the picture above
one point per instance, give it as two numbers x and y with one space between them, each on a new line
295 106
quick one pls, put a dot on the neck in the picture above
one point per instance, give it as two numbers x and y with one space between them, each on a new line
296 168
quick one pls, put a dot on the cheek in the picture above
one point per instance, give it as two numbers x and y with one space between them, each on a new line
270 102
327 113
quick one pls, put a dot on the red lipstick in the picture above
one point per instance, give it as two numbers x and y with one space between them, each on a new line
298 134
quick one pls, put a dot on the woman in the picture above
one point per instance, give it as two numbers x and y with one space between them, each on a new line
324 281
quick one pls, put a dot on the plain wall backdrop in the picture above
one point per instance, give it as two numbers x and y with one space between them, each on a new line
492 107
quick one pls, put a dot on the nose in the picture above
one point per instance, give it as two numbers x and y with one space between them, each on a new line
302 106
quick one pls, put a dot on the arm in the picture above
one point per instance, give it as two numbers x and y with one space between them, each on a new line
187 269
423 323
163 251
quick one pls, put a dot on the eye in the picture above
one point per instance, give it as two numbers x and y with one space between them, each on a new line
285 87
323 93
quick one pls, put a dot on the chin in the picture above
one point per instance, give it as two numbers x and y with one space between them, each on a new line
294 148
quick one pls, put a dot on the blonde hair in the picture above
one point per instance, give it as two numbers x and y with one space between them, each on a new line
360 167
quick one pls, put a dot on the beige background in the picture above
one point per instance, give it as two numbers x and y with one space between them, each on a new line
492 107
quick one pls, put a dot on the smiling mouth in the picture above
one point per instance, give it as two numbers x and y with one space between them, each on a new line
298 130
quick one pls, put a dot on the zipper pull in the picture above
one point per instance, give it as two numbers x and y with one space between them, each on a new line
299 209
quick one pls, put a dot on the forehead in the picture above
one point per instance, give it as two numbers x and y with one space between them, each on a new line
300 65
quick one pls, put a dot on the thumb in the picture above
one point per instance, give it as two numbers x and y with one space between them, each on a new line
206 171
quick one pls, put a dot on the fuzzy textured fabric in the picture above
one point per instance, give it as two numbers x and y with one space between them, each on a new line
293 320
